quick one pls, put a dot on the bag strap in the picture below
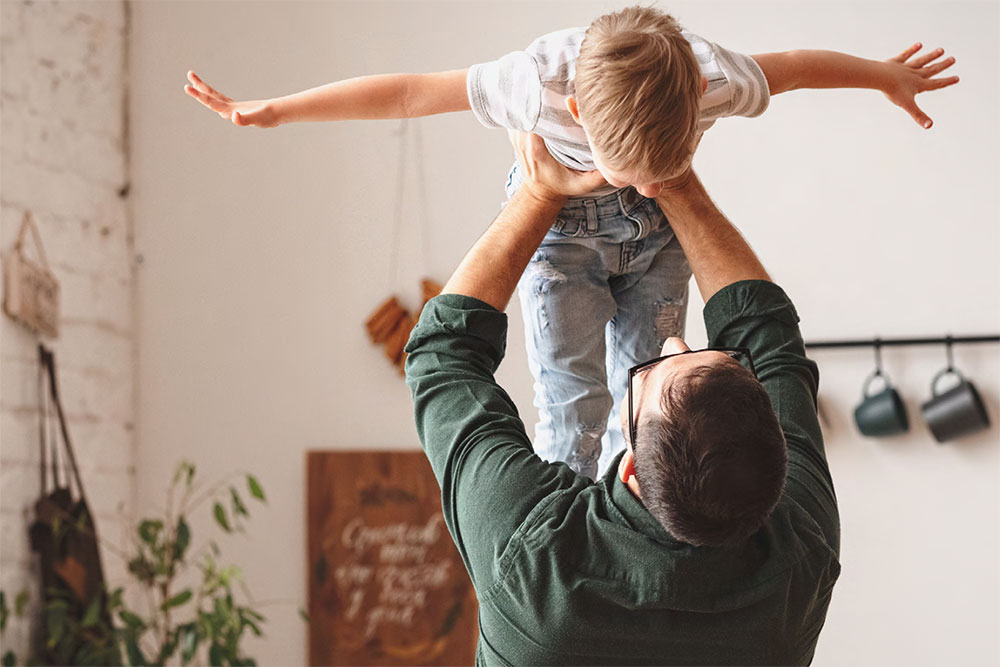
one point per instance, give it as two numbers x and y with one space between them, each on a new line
43 419
49 363
28 222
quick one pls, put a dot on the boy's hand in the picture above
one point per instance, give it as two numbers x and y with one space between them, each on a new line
257 113
545 178
910 74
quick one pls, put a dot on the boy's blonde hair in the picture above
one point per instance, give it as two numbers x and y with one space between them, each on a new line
637 87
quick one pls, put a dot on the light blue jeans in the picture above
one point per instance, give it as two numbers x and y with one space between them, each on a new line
607 286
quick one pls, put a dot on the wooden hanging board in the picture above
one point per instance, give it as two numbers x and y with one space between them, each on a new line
386 583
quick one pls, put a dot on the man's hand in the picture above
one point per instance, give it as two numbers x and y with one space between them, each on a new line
910 74
490 270
543 177
256 113
714 248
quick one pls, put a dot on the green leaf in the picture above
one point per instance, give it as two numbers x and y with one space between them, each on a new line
143 570
185 471
220 517
93 613
177 600
254 614
131 620
115 599
189 641
215 654
167 650
55 626
248 621
9 659
223 609
149 529
304 615
183 539
239 509
229 574
255 488
21 603
135 656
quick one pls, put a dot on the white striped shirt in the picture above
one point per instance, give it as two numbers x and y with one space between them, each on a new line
527 91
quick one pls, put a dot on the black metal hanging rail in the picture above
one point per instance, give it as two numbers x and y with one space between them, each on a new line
888 342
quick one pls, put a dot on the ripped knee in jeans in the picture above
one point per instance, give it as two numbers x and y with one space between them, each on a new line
669 320
583 459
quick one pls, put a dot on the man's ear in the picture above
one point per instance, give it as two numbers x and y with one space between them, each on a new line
704 85
574 110
626 470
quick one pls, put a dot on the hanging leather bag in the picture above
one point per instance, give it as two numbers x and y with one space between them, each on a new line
77 626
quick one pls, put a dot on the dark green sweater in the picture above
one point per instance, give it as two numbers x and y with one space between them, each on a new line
570 571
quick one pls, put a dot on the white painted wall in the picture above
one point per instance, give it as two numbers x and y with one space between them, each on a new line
265 250
64 158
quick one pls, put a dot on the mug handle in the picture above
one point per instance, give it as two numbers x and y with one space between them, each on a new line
943 373
877 374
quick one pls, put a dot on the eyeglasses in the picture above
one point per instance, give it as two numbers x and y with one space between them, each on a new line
740 354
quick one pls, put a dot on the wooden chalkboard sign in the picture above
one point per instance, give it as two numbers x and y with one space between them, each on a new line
386 584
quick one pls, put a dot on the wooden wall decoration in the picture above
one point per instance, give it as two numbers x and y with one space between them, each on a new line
390 325
386 583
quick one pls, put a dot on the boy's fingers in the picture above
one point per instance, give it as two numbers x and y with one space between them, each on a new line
922 119
907 52
935 84
198 84
926 58
937 67
204 87
210 102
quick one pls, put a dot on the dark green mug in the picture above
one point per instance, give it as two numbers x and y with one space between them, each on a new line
955 412
880 414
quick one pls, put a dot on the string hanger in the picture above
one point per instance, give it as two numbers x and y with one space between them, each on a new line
409 140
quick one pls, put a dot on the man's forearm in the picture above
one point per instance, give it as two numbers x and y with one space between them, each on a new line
715 250
377 96
792 70
491 269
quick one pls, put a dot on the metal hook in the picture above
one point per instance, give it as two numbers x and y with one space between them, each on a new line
951 359
878 356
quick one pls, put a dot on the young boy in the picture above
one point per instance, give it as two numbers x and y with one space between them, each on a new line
630 96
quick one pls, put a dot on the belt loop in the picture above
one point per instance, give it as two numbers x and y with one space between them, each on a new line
591 207
627 198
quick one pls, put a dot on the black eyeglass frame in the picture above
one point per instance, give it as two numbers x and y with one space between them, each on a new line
731 351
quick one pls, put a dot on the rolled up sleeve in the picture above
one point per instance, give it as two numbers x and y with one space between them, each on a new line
470 429
759 315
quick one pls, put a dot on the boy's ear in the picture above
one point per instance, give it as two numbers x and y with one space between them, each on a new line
574 111
704 85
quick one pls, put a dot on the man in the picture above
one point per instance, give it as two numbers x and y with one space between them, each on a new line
695 547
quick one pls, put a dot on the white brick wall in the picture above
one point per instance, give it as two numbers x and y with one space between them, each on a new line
63 156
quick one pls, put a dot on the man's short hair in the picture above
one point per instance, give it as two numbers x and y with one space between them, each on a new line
711 467
638 87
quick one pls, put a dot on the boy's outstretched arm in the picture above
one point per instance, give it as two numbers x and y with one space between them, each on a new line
900 78
361 98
